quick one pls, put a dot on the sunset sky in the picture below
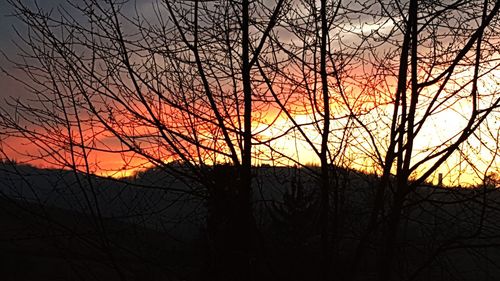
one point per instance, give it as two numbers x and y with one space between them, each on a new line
442 127
229 139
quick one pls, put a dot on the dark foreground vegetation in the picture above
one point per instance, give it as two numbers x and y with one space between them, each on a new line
58 225
405 89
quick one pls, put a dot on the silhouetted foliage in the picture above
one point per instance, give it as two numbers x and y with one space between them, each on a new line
208 105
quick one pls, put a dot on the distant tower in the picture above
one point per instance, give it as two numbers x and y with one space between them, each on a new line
440 179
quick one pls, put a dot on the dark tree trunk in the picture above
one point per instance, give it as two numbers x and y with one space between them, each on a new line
325 175
229 232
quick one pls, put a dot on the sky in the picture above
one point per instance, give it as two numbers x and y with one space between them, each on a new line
10 88
8 26
7 35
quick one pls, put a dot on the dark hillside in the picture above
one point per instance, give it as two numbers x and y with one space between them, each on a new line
46 243
58 225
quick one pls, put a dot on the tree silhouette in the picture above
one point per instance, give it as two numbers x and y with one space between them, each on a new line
195 94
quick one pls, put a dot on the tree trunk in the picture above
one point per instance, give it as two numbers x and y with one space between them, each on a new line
229 227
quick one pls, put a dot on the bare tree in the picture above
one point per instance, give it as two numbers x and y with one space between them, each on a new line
205 89
306 82
175 84
442 66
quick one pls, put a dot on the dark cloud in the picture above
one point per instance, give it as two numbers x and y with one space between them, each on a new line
9 23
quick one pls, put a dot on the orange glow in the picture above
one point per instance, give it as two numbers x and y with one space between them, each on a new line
369 97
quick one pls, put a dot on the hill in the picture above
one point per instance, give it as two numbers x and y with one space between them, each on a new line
58 224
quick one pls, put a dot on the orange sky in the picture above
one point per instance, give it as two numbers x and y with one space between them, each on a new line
367 93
